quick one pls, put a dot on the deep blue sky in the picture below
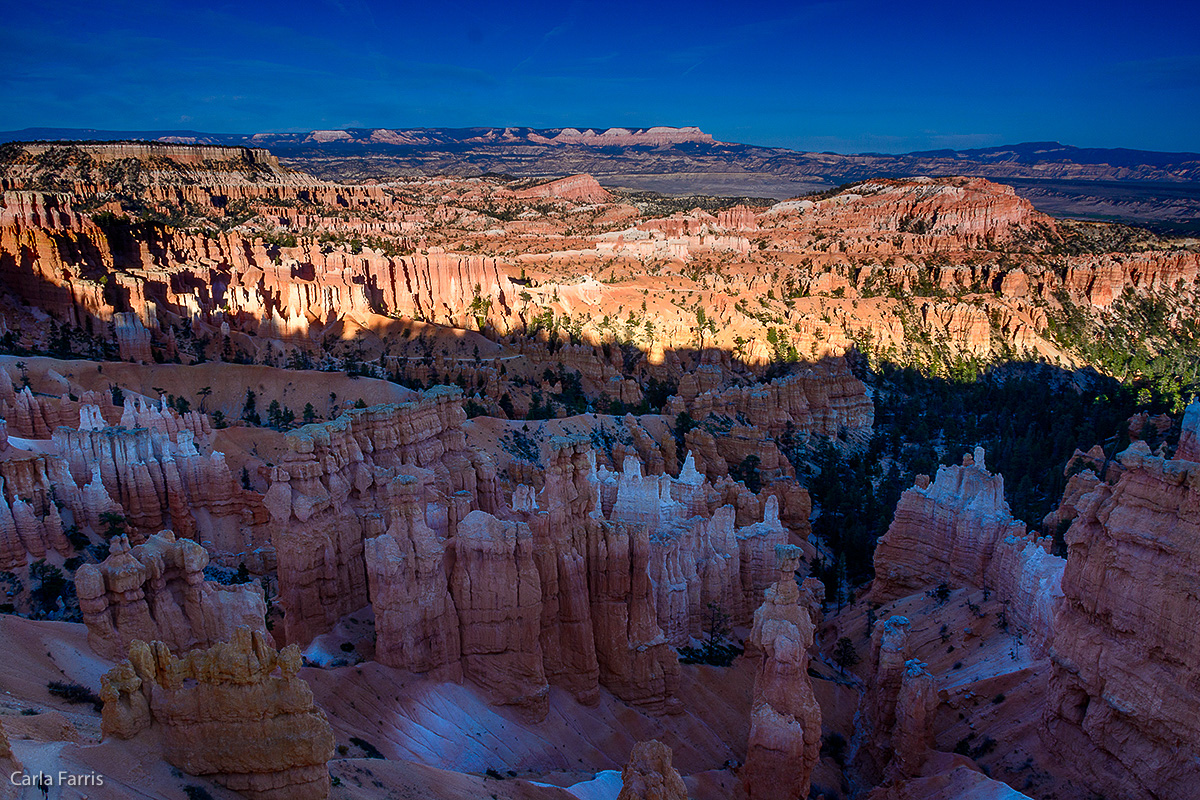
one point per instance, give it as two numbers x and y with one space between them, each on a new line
846 76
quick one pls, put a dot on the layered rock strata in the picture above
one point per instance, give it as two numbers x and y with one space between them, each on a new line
332 491
959 530
699 554
236 713
59 260
37 416
498 594
627 565
785 722
1122 710
416 621
825 399
157 592
547 592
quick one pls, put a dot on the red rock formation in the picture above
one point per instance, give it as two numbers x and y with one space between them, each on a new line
224 714
947 531
497 592
1078 485
890 651
30 522
326 496
31 416
738 218
580 188
562 520
157 592
1122 708
416 622
959 529
912 737
650 776
967 208
635 661
133 339
556 595
156 477
698 557
895 720
599 612
825 399
785 723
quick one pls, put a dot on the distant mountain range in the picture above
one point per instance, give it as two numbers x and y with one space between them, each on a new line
1160 190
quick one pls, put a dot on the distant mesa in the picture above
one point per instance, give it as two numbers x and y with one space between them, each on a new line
627 137
658 136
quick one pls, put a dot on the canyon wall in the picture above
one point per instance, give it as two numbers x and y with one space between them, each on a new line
31 522
824 399
1124 686
546 592
333 490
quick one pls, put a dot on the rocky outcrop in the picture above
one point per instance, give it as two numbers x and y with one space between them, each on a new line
912 736
416 621
157 592
947 531
236 713
785 722
545 592
959 530
650 776
1189 434
599 616
699 557
966 208
894 728
1078 485
890 650
635 661
36 416
1122 704
133 338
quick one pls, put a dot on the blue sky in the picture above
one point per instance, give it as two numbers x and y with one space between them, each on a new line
849 76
